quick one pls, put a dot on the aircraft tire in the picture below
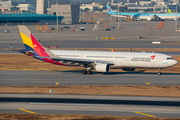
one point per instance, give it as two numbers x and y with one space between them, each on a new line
159 73
84 72
89 72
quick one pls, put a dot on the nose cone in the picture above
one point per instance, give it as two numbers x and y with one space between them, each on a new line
174 62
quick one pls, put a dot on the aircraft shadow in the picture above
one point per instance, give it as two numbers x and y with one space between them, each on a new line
140 72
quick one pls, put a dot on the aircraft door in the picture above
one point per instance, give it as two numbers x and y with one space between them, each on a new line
158 58
82 56
127 57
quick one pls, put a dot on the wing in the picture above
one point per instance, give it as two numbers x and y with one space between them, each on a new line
75 60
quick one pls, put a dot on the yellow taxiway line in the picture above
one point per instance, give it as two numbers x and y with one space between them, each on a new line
144 114
27 111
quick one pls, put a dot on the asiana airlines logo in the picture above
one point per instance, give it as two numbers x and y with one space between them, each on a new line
153 56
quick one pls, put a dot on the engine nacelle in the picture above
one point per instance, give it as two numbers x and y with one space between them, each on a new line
128 69
102 68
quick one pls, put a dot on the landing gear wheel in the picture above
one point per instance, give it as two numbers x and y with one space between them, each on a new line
84 72
159 73
89 72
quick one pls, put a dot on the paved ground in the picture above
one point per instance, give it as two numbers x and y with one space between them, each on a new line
91 105
125 38
38 78
95 44
9 52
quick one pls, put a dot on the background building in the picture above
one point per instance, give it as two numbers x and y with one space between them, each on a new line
41 6
27 7
176 1
29 19
5 5
70 13
92 7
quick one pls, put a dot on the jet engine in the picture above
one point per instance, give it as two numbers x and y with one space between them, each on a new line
128 69
102 68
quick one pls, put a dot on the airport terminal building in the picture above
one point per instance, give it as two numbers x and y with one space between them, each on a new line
70 13
29 19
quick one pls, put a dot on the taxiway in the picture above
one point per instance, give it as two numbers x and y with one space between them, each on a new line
40 78
90 105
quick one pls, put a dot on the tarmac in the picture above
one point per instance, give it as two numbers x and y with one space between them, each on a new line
48 78
90 105
124 38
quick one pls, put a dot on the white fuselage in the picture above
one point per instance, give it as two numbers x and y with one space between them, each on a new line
121 59
149 16
159 15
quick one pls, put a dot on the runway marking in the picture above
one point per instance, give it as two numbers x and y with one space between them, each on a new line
144 114
27 111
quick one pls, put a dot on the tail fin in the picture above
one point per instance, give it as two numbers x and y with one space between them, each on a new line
110 11
30 42
169 11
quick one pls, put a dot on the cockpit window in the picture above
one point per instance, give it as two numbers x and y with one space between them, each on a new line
169 58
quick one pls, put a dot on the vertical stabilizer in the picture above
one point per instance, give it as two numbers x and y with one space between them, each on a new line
110 11
26 37
169 11
30 42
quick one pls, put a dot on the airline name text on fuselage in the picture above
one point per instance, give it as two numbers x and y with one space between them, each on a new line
141 59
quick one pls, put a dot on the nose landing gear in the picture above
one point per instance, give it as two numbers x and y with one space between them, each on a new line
159 73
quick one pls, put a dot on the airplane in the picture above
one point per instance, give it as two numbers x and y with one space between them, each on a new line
121 14
101 61
147 16
169 15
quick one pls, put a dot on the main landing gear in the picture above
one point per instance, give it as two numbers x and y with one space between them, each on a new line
159 73
86 72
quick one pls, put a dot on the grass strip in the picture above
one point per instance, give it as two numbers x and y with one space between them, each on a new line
16 116
161 91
